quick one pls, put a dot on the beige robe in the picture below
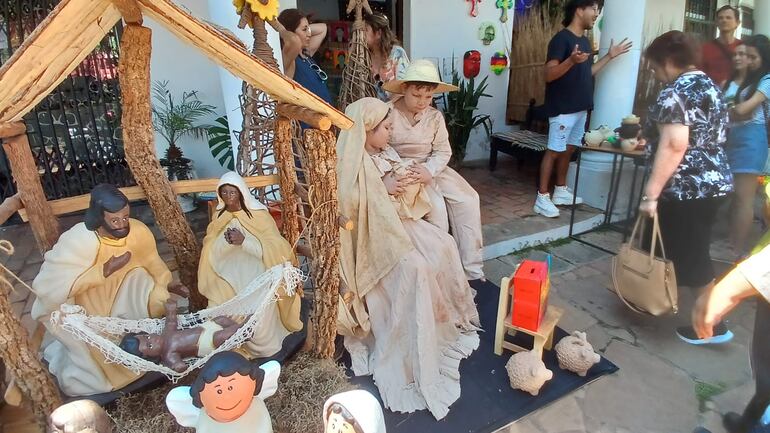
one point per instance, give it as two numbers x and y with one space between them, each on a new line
72 272
455 204
413 318
226 269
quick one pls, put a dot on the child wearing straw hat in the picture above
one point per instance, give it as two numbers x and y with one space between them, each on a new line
419 134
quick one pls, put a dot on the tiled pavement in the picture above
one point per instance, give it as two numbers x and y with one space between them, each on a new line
664 385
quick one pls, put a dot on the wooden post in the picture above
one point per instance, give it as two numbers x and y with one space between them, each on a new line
322 157
288 175
15 350
139 142
44 224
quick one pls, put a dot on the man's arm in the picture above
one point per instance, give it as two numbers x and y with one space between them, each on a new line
615 50
555 69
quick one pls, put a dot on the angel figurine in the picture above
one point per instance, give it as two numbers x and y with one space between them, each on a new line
227 396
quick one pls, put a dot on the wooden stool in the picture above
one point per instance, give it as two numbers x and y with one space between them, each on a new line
543 337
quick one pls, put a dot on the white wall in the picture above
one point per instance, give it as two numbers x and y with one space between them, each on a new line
439 29
186 69
662 16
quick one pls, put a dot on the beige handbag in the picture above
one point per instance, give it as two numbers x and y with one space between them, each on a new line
645 283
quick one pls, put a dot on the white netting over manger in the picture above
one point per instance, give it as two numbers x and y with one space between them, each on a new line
104 333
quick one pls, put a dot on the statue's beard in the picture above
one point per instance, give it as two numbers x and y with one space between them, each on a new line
117 233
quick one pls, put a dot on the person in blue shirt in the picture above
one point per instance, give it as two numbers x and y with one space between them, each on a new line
569 94
299 42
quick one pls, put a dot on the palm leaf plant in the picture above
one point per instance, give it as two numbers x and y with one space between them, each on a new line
221 143
459 110
174 119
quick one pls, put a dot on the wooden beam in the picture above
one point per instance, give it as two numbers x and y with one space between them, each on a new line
48 55
130 11
312 118
45 227
73 204
12 129
243 64
139 144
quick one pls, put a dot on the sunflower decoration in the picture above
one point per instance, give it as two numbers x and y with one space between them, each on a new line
266 10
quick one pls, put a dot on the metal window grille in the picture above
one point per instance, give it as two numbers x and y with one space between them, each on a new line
75 132
699 18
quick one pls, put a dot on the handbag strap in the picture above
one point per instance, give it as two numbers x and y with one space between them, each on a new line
657 238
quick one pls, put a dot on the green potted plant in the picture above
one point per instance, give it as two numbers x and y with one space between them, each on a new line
459 109
173 120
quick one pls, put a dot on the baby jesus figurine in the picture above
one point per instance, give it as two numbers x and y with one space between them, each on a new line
173 345
414 202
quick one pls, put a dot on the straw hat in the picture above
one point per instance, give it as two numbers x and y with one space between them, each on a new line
420 70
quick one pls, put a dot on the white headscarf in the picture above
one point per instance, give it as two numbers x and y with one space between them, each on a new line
234 179
363 406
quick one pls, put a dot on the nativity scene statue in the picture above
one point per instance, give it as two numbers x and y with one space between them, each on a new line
242 242
172 346
110 266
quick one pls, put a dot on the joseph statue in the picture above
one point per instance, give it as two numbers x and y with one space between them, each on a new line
109 265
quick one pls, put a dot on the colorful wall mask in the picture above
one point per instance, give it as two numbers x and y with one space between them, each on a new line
471 64
499 63
487 32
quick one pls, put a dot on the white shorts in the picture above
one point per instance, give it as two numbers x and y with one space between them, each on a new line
566 129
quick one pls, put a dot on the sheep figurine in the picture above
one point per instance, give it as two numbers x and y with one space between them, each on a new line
576 354
527 372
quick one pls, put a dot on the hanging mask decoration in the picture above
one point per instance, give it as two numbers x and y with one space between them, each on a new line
499 63
474 7
471 64
487 32
505 5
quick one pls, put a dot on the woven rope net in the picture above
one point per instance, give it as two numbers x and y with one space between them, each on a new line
357 75
104 333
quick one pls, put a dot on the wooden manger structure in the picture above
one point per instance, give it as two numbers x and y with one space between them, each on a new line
55 49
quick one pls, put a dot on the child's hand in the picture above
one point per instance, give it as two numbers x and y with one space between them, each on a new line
420 173
395 185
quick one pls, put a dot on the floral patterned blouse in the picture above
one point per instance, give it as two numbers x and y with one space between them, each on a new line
393 69
693 100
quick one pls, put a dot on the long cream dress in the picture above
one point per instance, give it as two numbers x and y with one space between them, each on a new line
413 319
455 203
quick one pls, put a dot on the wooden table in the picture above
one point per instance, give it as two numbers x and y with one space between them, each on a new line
638 157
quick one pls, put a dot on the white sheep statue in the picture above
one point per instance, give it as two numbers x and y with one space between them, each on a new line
576 354
527 372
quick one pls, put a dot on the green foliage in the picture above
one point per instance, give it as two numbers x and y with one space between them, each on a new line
705 392
459 113
221 143
174 120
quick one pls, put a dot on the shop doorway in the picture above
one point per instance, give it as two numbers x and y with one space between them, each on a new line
333 53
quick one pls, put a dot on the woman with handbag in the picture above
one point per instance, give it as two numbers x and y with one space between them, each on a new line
689 177
747 95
